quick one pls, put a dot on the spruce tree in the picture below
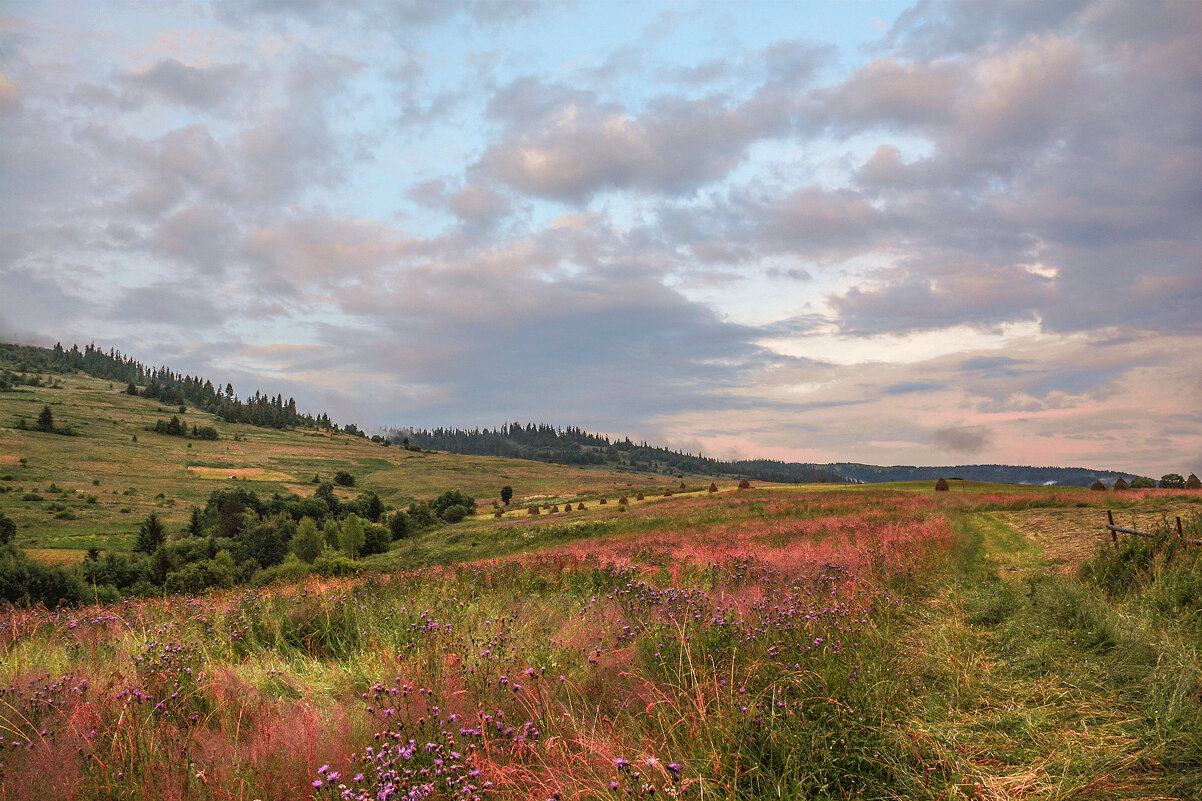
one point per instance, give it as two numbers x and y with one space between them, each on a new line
46 420
151 534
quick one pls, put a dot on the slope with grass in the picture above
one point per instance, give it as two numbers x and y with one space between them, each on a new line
93 489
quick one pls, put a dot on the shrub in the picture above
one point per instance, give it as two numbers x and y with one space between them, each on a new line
8 529
399 525
453 513
453 498
25 582
1167 481
506 494
344 479
334 565
370 506
420 515
376 539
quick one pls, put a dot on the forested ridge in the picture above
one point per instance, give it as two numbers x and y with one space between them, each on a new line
575 446
167 386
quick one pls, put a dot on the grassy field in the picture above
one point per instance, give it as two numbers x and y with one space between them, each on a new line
818 642
105 482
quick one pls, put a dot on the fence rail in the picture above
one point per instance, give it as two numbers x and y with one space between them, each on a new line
1116 530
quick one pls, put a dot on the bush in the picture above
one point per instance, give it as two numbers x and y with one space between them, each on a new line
453 514
399 525
220 572
376 539
344 479
420 515
335 565
453 498
25 582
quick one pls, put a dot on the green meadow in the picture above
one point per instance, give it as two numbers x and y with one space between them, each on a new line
816 642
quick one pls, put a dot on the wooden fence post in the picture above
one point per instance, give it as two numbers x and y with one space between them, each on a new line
1179 531
1114 535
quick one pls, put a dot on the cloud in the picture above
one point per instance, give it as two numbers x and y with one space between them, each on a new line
960 440
567 144
198 87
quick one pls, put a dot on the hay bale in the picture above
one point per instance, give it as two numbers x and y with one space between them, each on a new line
1193 482
941 485
555 509
744 484
533 510
682 485
1121 485
580 507
1098 486
713 487
639 497
667 493
622 501
602 502
567 507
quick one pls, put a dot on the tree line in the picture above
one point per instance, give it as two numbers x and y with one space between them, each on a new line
575 446
167 386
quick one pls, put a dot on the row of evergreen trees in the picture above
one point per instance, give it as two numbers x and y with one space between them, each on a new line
575 446
168 386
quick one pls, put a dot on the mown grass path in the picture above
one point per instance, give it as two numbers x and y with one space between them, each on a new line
1029 683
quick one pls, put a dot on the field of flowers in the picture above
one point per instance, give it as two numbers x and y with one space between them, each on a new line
744 661
743 645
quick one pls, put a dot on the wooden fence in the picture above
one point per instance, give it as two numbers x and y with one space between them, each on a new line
1116 530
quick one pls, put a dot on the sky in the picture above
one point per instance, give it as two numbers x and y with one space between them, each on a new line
928 233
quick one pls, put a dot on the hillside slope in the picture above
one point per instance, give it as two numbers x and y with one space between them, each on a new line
70 493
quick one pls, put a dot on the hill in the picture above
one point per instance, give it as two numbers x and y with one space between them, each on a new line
67 494
571 445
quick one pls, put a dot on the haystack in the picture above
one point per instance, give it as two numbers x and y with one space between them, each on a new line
533 510
667 493
555 509
623 501
941 485
682 485
497 514
1098 486
713 487
639 497
744 484
602 502
1193 482
580 507
1121 485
